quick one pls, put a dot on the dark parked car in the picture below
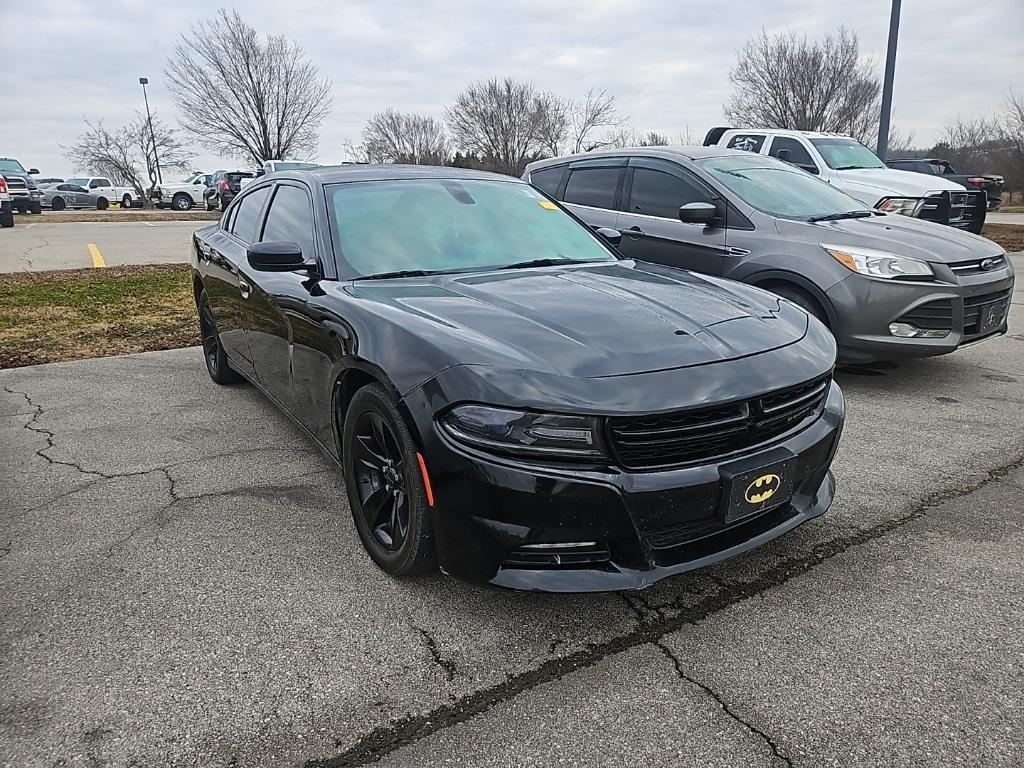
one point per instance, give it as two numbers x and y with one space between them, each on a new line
504 394
992 184
223 187
888 286
25 196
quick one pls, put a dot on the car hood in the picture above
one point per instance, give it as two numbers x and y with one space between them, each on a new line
889 182
902 235
590 321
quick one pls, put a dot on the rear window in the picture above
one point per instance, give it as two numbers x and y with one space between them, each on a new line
593 186
748 142
548 179
233 177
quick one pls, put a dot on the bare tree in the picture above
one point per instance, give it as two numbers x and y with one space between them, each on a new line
969 143
507 123
395 137
626 136
125 155
597 110
243 96
784 81
1012 136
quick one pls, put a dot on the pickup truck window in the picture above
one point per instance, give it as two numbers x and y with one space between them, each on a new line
11 165
748 142
846 154
79 182
798 154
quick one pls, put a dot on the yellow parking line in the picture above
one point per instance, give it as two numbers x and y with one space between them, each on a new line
97 257
149 224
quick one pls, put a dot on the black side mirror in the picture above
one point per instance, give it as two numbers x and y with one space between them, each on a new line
277 257
33 171
783 155
613 236
698 213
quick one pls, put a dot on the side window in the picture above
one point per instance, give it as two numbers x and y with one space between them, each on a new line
798 154
95 183
748 142
76 188
548 179
593 186
245 225
291 219
103 183
657 193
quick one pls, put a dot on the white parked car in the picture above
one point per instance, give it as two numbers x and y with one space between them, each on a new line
848 165
273 166
107 192
181 195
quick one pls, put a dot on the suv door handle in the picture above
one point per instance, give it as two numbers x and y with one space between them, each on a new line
634 232
244 288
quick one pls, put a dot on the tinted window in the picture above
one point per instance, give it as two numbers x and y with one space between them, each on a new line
291 219
75 188
798 154
548 179
245 225
748 142
102 182
593 186
656 193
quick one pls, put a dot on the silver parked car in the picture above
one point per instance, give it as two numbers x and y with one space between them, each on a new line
63 195
888 286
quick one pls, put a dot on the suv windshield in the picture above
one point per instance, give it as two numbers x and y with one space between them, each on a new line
846 154
449 225
777 188
11 165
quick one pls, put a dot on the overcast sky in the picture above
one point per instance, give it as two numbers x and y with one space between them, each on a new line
666 62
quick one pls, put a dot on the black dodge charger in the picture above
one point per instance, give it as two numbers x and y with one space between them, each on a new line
506 396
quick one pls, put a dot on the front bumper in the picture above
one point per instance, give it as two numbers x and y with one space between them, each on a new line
644 526
865 308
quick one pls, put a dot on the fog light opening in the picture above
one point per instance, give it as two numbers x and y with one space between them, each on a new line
908 331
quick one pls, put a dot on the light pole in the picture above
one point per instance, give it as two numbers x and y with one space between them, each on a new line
144 81
890 71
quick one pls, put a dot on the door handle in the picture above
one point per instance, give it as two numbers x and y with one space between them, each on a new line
634 232
244 288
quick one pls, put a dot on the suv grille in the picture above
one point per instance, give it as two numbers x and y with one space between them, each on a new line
959 209
974 267
646 442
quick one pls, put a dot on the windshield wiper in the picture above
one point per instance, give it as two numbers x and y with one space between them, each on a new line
399 273
539 263
842 215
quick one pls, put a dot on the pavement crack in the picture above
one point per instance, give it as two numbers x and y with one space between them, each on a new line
414 727
777 753
5 550
446 665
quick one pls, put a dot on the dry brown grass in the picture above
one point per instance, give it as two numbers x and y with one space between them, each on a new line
113 214
1010 236
46 317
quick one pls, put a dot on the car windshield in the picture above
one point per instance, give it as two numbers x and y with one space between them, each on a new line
846 154
79 182
447 225
11 165
777 188
291 166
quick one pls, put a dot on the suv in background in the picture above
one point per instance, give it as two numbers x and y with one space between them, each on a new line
991 183
223 187
25 195
888 287
847 164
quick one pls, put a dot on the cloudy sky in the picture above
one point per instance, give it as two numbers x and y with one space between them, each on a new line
666 62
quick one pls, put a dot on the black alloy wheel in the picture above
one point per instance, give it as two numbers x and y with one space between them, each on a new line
102 204
57 204
385 488
216 361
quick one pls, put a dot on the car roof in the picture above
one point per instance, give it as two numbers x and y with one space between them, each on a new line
789 132
337 174
668 152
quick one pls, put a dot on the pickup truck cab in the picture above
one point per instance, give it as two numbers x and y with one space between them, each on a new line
990 182
107 192
22 188
182 195
850 166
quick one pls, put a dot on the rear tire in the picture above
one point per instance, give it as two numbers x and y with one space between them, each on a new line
181 202
213 351
802 299
384 485
58 204
102 204
35 208
126 202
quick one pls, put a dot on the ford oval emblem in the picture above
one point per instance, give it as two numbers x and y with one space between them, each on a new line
987 264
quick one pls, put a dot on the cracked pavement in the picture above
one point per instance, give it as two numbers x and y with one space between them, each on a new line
181 585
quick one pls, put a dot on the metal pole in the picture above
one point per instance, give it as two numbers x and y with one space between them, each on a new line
890 71
152 137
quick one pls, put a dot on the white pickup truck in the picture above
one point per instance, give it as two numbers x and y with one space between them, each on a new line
107 192
182 195
848 165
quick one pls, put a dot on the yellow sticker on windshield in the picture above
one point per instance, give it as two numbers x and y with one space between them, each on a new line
548 204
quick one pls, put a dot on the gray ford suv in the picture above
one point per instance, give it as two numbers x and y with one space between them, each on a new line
887 286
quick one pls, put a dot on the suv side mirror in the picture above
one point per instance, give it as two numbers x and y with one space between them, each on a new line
33 171
278 256
698 213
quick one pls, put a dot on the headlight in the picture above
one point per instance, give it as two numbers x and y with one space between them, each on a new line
534 434
905 206
872 263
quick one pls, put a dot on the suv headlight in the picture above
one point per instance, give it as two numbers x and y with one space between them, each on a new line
872 263
505 430
905 206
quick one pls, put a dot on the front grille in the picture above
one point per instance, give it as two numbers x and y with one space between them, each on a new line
973 306
683 437
974 267
935 315
16 184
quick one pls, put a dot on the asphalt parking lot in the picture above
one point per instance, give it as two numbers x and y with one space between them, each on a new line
181 584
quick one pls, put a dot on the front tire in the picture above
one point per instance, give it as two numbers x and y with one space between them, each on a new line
213 351
181 202
384 485
58 204
126 202
36 208
102 204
